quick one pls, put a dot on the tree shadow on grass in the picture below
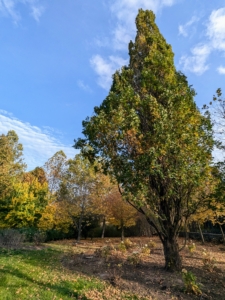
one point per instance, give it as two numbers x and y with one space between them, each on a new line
64 289
44 259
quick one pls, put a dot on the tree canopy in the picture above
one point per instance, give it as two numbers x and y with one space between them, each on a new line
150 135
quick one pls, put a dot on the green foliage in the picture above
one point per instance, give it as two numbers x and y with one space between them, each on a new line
150 135
29 233
11 154
23 196
190 283
53 234
11 168
28 201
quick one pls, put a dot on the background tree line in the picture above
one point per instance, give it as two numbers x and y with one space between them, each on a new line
63 195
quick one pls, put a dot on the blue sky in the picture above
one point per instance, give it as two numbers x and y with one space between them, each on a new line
57 58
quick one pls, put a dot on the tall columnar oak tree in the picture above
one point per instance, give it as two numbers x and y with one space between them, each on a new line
149 133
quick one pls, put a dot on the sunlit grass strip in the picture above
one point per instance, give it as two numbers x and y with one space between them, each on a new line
38 274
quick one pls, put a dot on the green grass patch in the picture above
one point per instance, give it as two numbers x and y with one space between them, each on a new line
39 275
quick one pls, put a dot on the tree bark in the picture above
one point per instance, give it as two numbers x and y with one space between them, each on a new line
171 249
79 229
173 260
103 228
221 229
122 232
202 237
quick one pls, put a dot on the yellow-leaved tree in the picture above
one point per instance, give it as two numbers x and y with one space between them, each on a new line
27 202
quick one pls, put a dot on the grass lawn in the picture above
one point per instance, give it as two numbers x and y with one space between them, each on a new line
39 274
67 270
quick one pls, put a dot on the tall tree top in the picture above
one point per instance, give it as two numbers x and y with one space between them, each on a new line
151 58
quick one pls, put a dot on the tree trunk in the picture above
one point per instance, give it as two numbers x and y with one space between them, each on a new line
221 229
79 229
103 228
202 237
172 257
122 233
173 260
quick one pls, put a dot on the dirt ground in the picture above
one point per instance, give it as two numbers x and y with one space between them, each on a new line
147 276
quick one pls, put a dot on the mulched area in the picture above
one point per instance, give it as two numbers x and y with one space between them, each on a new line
147 277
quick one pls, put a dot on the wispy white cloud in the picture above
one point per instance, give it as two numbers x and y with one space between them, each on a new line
39 145
122 36
184 29
221 70
84 86
105 68
196 63
216 29
102 42
36 11
7 8
4 112
10 8
214 41
125 11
